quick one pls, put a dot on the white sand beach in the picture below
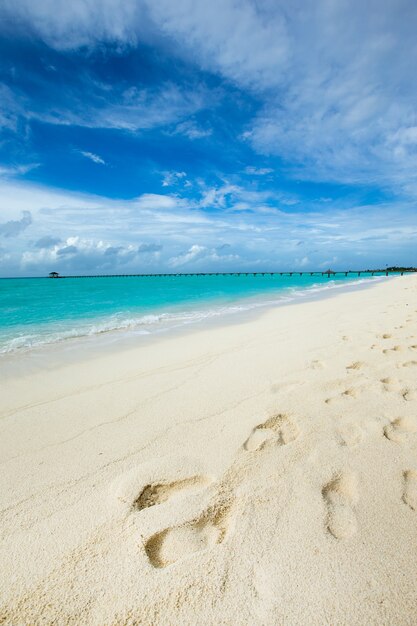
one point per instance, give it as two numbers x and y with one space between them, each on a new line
262 472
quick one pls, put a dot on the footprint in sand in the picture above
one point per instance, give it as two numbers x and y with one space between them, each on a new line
410 489
278 429
400 428
159 492
388 351
391 384
152 484
348 393
173 544
357 365
409 364
386 336
340 496
410 395
351 435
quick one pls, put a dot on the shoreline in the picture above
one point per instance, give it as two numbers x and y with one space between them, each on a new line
260 472
242 310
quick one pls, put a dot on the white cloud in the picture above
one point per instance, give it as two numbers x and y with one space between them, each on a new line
78 23
191 254
336 86
131 110
248 45
105 105
9 171
93 157
12 228
156 201
172 178
192 130
197 253
217 197
258 171
156 232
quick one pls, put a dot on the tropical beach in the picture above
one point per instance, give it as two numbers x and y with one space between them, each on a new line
262 471
208 313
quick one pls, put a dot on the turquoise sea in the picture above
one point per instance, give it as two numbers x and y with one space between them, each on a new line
37 311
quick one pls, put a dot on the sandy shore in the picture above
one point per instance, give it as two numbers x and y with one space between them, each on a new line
259 473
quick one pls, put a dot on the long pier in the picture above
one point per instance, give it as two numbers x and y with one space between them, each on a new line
328 273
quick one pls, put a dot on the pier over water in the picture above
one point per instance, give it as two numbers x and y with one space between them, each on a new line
328 273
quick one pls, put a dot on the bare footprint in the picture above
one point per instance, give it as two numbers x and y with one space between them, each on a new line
351 393
394 349
173 544
340 496
391 384
398 429
279 429
386 336
159 492
410 489
357 365
351 434
409 364
347 393
409 395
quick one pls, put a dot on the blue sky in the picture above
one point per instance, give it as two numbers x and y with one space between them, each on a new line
193 136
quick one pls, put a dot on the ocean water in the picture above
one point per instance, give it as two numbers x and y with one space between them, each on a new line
37 311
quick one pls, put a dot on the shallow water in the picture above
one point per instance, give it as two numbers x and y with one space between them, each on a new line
38 311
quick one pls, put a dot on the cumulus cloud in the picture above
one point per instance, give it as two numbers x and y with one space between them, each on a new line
197 253
93 157
113 250
67 250
47 242
125 234
76 254
194 252
13 228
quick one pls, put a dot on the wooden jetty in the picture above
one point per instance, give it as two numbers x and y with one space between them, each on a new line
329 273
